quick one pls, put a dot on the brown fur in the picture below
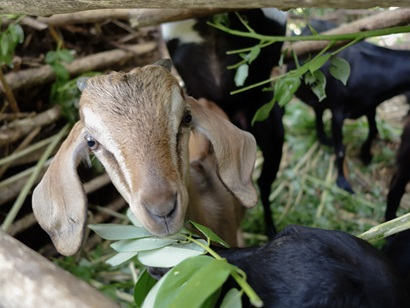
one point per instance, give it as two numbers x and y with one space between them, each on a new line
137 122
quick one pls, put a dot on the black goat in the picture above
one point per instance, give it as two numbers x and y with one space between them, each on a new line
397 246
310 267
199 55
377 74
402 174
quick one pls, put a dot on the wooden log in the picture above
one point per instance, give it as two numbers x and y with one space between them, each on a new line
37 76
46 7
19 128
383 20
137 17
29 280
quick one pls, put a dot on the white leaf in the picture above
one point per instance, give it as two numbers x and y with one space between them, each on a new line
120 258
119 232
141 244
170 256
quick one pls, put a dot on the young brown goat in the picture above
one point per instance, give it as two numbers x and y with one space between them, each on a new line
138 124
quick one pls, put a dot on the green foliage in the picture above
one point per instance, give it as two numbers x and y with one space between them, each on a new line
340 69
194 280
305 192
143 287
64 91
309 71
9 38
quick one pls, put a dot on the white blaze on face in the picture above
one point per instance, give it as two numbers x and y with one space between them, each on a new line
95 127
275 14
182 30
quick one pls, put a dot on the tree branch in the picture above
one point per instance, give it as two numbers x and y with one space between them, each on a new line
383 20
46 7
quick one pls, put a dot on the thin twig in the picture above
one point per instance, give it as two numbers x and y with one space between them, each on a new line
9 93
326 192
22 145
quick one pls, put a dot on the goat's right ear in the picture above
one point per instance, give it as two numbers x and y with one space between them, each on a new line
59 201
235 152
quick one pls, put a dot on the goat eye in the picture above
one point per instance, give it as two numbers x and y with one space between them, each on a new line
187 119
91 142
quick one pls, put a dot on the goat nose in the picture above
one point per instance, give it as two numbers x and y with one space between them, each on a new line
160 205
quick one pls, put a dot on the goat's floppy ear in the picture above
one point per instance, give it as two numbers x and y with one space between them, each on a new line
235 152
59 201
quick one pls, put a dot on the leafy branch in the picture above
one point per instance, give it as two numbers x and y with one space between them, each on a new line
184 252
288 83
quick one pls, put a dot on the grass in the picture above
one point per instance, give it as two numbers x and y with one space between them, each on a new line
305 192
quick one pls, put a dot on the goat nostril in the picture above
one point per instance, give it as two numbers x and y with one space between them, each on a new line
172 211
160 209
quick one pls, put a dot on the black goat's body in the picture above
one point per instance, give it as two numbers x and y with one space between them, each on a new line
199 55
311 267
377 74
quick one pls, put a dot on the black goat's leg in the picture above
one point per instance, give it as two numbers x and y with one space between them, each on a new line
269 135
365 153
396 192
337 132
320 131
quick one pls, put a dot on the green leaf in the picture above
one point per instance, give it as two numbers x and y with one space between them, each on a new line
60 71
141 244
119 232
285 88
317 81
254 53
64 55
241 75
120 258
317 62
314 32
340 69
4 41
232 299
51 57
170 256
143 286
191 282
17 33
263 112
209 234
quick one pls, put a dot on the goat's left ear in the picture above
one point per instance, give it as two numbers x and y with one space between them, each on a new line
235 152
59 201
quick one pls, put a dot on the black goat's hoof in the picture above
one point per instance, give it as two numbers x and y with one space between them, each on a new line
325 140
344 184
366 158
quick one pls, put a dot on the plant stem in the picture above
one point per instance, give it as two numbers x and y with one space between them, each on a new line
253 297
388 228
316 37
9 93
